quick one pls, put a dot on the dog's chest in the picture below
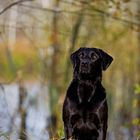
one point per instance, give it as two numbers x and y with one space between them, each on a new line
84 91
84 113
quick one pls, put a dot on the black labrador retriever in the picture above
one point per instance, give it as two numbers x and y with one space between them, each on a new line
85 110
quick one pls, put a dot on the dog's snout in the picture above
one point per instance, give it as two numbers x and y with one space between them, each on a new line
85 63
85 66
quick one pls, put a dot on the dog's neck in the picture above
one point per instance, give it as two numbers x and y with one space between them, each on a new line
89 82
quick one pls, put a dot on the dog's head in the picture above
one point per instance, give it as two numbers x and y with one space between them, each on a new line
89 63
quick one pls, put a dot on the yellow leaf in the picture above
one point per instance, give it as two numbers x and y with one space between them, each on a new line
135 103
136 121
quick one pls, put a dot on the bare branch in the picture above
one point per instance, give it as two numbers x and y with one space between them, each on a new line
100 11
70 12
11 5
49 9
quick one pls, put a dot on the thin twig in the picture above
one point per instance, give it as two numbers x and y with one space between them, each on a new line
50 9
11 5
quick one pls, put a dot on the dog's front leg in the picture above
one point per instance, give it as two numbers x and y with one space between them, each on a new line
68 132
102 132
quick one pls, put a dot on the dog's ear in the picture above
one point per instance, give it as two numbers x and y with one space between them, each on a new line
74 57
106 59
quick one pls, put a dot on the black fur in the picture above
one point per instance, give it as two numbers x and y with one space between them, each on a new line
85 110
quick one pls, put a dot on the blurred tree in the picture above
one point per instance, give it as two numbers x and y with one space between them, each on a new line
74 37
22 110
53 83
137 95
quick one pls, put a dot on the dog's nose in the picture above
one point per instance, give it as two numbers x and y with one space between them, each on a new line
85 64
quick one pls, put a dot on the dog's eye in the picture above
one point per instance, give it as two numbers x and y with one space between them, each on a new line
81 55
93 56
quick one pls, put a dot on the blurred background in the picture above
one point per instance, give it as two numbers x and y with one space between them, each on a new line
36 40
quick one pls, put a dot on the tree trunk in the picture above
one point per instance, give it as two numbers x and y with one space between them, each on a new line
137 96
22 109
53 85
74 37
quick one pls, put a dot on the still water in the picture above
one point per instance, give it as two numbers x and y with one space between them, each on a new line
38 112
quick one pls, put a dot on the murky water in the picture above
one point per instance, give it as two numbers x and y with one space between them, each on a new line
37 111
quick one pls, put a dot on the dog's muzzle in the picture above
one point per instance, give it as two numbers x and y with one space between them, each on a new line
84 67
